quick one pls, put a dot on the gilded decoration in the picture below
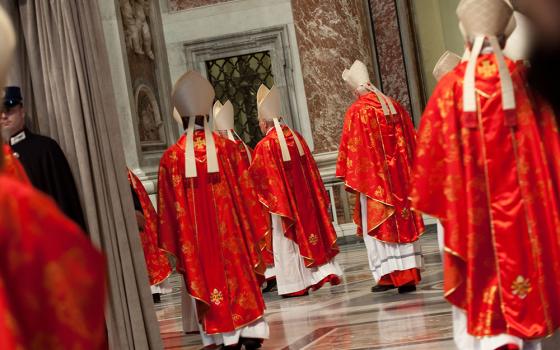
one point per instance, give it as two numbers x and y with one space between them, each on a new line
445 103
405 213
176 179
313 239
487 69
216 297
199 143
521 287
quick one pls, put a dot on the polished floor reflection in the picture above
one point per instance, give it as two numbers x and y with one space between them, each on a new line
347 316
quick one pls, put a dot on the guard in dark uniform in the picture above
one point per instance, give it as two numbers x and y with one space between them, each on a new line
41 156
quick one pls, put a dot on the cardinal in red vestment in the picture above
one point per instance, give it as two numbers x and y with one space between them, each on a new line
375 161
224 124
52 291
201 221
12 166
481 167
156 260
290 187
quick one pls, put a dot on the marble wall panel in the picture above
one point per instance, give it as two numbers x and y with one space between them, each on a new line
389 48
179 5
331 34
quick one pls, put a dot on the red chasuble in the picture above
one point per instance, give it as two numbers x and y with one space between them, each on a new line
375 159
493 188
294 190
12 166
202 222
52 280
246 153
258 215
156 260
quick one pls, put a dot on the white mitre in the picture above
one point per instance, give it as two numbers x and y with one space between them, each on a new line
518 45
7 46
192 96
269 104
446 63
510 28
485 20
224 121
357 77
223 116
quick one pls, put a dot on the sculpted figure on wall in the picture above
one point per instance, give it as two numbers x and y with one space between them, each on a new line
149 123
135 14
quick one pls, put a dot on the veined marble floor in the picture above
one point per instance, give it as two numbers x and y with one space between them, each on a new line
347 316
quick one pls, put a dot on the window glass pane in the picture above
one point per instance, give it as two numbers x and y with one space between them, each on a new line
238 79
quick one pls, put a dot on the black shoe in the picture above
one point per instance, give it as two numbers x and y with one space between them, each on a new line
270 285
157 298
381 288
407 289
251 343
288 296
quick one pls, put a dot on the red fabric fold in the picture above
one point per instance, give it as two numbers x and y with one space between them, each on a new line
157 262
495 189
295 191
52 279
375 159
204 222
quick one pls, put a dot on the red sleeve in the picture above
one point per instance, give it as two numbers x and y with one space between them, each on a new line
436 186
168 224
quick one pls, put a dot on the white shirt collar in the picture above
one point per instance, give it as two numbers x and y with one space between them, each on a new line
18 138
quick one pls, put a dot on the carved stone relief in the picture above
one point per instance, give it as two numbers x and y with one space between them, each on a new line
149 123
138 36
139 28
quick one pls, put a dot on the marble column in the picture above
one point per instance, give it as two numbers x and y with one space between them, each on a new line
389 50
330 36
396 53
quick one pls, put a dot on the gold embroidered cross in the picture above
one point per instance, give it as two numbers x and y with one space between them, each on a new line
487 69
216 297
313 239
521 287
199 143
379 192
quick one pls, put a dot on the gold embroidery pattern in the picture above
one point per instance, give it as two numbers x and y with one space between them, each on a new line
404 213
199 143
313 239
216 297
179 209
379 192
176 179
521 287
487 69
445 103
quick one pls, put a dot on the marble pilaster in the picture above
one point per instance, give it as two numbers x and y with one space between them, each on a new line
330 35
390 54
